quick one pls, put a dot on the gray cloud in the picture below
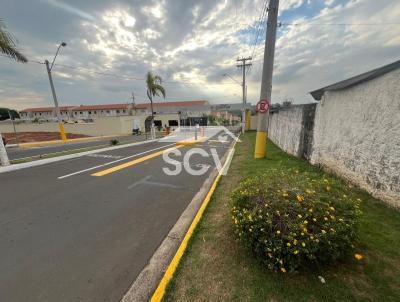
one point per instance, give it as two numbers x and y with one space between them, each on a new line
188 41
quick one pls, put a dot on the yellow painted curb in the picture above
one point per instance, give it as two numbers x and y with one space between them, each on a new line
160 291
45 143
190 142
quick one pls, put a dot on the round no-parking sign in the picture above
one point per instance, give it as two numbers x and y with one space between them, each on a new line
263 106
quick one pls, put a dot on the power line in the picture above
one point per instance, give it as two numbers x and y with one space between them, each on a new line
337 24
124 77
260 29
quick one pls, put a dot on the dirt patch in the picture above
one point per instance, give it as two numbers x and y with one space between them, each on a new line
29 137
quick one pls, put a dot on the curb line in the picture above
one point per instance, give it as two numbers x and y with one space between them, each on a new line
157 273
40 162
160 291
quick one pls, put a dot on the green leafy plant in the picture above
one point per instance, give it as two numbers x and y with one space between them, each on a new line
294 222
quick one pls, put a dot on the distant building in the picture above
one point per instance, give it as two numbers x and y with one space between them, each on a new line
188 108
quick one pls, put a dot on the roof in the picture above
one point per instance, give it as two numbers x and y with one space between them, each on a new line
46 109
317 94
119 106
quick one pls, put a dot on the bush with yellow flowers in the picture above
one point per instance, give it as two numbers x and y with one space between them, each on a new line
293 222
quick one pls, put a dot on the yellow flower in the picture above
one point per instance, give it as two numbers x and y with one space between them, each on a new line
288 244
283 270
295 242
285 194
323 232
296 252
325 218
299 198
310 210
303 244
332 208
325 180
314 219
358 257
278 232
305 222
299 216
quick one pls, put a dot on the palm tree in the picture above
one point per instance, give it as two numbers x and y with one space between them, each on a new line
154 88
8 44
8 47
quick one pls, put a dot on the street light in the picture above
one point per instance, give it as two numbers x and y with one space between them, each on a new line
49 68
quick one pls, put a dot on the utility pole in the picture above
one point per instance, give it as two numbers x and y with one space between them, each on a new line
266 83
243 66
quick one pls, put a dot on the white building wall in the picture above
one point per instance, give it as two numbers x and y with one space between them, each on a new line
357 135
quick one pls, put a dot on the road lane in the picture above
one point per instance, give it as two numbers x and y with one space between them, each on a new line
86 238
21 153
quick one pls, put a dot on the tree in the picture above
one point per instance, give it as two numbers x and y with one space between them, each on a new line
8 47
154 88
8 44
6 114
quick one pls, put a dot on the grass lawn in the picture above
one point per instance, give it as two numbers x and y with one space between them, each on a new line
216 267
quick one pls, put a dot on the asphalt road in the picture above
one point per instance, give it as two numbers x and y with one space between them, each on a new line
15 153
67 235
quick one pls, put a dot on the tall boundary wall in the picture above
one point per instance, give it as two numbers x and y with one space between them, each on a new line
291 128
357 135
353 132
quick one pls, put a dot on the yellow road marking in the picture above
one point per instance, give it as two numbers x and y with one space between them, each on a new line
160 291
133 162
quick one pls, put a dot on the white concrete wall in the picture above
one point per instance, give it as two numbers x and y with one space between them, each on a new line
285 129
357 135
101 126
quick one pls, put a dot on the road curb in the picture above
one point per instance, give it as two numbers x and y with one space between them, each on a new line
68 141
155 276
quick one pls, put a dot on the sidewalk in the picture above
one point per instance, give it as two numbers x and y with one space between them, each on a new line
216 267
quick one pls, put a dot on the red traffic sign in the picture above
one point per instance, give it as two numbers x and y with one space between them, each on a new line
263 106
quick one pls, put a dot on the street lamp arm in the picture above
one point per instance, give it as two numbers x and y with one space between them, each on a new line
58 49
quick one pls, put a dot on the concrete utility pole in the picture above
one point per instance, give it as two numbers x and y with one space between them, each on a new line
48 68
266 83
243 66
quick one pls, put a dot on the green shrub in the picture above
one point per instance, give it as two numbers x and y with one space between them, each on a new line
296 222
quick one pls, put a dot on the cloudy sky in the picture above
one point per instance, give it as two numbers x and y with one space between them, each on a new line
191 44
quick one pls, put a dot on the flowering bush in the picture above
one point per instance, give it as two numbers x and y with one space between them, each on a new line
295 222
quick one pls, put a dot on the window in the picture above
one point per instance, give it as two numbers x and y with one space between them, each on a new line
90 112
117 111
95 112
124 111
158 123
108 111
172 123
81 113
75 113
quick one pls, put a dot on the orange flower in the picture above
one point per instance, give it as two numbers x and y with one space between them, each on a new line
358 257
